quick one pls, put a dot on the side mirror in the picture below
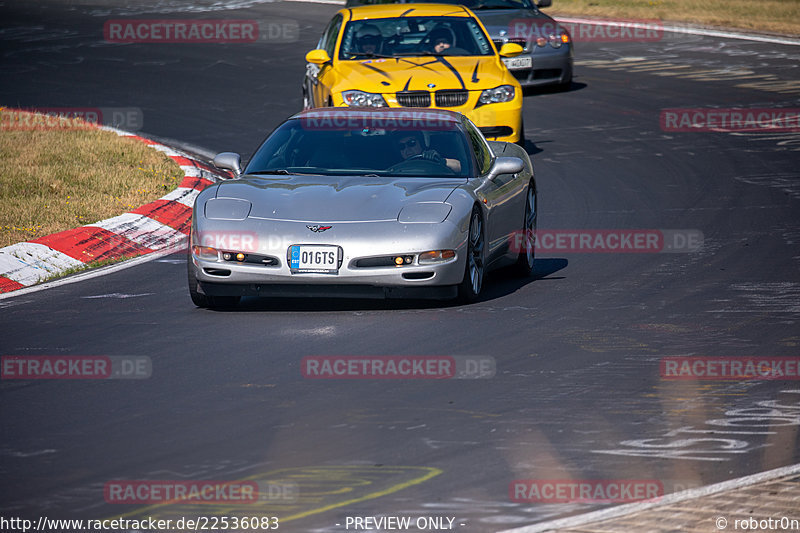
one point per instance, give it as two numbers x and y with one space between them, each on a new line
229 161
510 50
506 165
544 3
318 57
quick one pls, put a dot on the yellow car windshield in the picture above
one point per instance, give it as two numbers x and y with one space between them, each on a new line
414 36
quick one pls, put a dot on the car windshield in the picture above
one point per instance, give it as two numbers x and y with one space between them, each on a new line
476 5
374 146
472 4
414 36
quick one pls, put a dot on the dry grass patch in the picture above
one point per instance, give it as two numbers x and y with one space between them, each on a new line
767 16
62 175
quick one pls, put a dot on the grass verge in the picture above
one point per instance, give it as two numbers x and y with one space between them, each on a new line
58 174
764 16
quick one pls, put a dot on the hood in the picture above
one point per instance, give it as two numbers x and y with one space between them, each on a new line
322 199
514 21
391 75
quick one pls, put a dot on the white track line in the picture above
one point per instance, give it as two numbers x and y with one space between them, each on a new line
102 271
691 30
623 510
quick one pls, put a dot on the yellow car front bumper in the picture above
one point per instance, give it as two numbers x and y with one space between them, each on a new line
498 121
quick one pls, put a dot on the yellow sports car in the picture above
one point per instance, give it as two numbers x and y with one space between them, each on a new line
416 55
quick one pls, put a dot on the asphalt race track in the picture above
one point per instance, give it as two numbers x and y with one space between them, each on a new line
578 391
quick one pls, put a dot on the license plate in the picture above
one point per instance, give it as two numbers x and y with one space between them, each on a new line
519 62
314 258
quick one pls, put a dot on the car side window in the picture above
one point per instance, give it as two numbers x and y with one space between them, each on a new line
483 155
328 41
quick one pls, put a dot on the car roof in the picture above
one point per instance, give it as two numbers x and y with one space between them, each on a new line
356 114
400 10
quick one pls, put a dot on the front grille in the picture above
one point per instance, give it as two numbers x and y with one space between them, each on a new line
522 41
451 98
546 73
372 262
521 74
414 99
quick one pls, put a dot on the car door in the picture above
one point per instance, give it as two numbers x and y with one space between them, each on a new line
502 195
321 77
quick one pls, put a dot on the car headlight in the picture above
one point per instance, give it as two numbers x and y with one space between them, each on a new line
424 212
436 256
205 252
504 93
555 40
362 99
227 209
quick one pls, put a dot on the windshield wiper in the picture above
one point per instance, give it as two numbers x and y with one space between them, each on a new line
484 6
278 171
357 55
282 172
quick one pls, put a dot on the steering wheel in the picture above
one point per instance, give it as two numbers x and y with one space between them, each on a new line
417 163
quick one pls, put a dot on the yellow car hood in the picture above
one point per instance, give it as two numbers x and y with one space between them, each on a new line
392 75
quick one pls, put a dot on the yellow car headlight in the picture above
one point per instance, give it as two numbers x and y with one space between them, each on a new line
504 93
362 99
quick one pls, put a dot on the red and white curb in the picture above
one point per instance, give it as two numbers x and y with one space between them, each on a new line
160 226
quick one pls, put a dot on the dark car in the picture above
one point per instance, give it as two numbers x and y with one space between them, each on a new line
548 48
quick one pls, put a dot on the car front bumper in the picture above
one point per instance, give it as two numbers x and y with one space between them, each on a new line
550 67
500 121
356 242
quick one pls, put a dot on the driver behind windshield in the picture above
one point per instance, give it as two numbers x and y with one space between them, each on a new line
411 145
442 42
369 40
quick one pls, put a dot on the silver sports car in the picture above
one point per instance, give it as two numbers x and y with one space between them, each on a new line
364 203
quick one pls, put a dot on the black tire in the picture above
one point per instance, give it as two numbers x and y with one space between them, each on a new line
527 252
203 300
475 268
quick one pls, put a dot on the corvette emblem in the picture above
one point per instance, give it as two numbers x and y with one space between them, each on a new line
319 229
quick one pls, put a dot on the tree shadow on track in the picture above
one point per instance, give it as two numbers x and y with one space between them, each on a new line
498 284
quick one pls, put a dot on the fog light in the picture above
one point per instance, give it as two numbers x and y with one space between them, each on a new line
240 256
227 256
398 260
